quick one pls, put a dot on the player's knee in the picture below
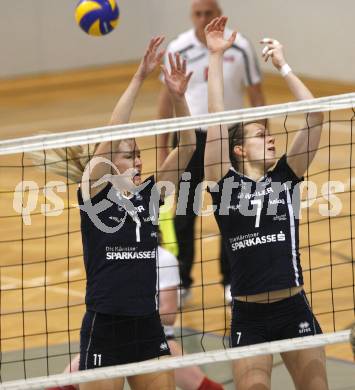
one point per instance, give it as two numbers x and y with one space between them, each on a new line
313 376
256 378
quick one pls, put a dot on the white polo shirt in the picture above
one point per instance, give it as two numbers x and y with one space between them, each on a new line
240 68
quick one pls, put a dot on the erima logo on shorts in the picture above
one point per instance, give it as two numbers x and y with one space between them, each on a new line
164 346
304 327
253 241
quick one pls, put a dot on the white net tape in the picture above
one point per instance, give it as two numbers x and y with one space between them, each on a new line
133 130
179 362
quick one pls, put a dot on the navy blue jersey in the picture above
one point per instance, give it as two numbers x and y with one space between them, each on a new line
259 222
120 250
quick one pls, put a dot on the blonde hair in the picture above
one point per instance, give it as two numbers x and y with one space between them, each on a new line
69 162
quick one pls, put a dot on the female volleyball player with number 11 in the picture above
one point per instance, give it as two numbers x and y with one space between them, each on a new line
122 323
269 302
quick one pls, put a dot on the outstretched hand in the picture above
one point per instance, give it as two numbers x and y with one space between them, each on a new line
274 50
152 57
214 32
177 80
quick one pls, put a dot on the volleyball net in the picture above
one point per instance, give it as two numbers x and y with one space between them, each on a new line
42 272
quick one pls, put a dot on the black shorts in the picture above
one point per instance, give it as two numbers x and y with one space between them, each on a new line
107 340
254 323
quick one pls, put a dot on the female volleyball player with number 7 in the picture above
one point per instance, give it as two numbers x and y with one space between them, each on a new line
120 242
269 301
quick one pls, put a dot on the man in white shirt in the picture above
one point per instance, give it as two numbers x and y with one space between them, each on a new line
241 74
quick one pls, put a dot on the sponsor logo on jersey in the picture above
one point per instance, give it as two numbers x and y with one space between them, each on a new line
281 236
151 218
139 208
277 201
126 255
116 219
260 193
243 237
304 327
234 207
282 217
251 240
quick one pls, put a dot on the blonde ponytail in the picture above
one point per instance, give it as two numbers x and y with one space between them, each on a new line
69 162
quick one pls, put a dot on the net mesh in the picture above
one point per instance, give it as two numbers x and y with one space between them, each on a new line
42 273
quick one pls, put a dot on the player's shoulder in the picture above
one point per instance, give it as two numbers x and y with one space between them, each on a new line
216 189
232 175
284 171
281 164
147 185
183 41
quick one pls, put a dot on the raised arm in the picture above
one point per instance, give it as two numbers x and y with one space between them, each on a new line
121 114
176 82
152 58
165 111
123 109
256 95
306 141
217 161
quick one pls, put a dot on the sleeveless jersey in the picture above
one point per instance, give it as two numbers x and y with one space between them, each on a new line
121 266
259 223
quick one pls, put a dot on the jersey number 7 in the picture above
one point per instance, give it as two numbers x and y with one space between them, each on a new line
258 211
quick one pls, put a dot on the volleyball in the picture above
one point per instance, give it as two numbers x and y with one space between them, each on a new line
97 17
